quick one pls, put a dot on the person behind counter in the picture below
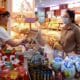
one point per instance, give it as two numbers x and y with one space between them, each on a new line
70 35
4 36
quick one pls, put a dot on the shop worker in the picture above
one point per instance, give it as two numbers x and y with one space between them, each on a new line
70 36
4 36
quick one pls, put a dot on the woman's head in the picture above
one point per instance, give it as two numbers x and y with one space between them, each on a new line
68 16
4 15
36 16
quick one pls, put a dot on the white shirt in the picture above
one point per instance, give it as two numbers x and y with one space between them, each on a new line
4 35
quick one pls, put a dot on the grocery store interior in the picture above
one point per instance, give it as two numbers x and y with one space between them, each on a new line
30 47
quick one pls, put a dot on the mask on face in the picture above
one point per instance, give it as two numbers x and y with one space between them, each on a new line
41 19
66 20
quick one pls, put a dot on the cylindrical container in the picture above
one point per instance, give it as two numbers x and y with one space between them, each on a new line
56 64
68 69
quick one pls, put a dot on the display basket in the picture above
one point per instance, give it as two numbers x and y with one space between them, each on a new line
38 68
40 72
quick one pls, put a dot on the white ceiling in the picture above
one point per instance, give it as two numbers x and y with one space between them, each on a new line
46 3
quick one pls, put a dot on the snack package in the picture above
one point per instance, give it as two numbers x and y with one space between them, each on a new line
57 62
58 53
14 74
68 69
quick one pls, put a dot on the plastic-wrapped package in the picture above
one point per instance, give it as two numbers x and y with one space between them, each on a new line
56 64
72 59
77 66
58 53
37 58
68 69
48 52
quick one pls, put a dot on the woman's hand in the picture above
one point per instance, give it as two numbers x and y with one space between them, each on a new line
58 46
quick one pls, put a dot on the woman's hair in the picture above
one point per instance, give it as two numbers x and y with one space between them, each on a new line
71 14
6 13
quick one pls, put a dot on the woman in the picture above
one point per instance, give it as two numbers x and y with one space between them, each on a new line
70 36
4 36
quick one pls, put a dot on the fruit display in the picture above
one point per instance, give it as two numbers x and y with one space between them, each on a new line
53 24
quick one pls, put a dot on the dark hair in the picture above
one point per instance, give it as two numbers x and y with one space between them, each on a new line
5 14
36 13
71 14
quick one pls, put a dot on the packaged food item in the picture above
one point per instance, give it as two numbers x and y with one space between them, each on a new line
13 74
57 53
77 64
37 58
48 51
56 64
5 73
72 59
21 71
68 69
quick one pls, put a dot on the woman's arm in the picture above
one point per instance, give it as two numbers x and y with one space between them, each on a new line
77 39
14 43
